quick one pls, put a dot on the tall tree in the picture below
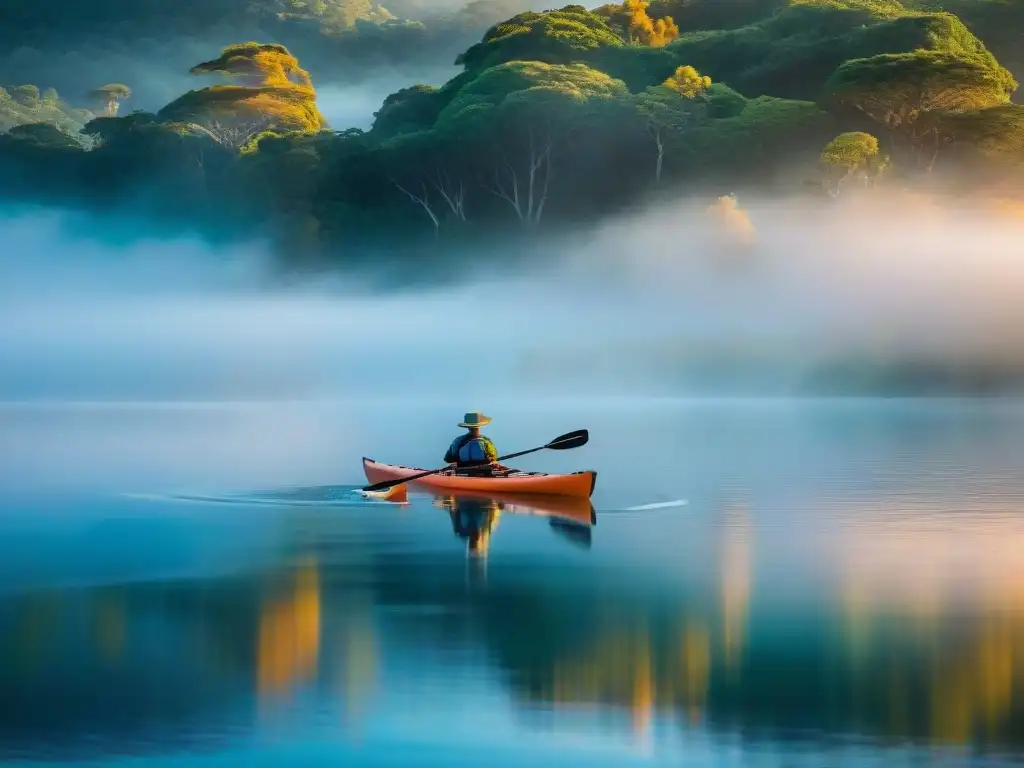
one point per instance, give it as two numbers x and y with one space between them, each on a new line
275 92
851 155
672 108
910 93
996 133
110 96
631 20
518 117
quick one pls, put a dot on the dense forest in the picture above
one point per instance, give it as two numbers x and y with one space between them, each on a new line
551 119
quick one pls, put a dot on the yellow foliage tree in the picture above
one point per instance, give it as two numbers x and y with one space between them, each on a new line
643 29
734 227
273 93
688 82
257 64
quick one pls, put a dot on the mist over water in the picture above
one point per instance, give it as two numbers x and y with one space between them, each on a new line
782 577
183 319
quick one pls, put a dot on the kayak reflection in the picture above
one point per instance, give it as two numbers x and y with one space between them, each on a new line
475 517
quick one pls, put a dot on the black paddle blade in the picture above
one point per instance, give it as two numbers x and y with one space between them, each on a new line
571 440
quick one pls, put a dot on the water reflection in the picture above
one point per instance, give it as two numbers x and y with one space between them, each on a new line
475 517
910 631
473 520
288 639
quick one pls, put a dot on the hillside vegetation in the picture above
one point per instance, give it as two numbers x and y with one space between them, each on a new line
554 119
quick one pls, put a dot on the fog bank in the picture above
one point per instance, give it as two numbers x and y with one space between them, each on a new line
650 303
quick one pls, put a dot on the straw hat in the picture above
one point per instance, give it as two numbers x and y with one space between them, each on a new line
475 419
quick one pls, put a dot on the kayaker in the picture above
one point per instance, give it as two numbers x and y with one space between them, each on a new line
473 449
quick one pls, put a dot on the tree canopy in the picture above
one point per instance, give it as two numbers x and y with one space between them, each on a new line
555 37
633 23
556 119
911 93
996 133
276 92
110 96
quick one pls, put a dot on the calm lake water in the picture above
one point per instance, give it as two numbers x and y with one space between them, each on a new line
781 583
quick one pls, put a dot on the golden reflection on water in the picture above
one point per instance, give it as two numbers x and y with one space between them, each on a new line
928 614
288 641
960 585
110 625
735 584
359 651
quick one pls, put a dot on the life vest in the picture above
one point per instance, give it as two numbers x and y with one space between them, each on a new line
469 450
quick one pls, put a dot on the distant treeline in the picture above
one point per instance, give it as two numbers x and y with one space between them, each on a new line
557 119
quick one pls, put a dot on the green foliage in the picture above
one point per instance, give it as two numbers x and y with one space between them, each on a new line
723 101
110 96
555 119
996 133
792 53
902 90
522 85
555 37
760 136
877 8
693 15
1000 23
278 94
43 136
850 150
676 104
408 110
848 156
673 108
28 107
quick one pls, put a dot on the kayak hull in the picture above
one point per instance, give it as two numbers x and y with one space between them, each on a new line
577 484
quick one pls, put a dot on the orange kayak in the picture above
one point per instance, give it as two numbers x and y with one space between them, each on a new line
578 484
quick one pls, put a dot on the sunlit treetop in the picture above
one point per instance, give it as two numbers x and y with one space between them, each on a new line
556 37
631 20
850 150
257 64
532 83
996 133
111 95
275 92
897 88
792 52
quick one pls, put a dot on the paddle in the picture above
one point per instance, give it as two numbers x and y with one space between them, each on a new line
563 443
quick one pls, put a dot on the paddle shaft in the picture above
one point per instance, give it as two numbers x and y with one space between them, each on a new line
571 440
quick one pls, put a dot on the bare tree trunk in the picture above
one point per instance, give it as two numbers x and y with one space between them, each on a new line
538 182
654 131
546 159
508 191
661 159
935 152
424 202
233 137
454 196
